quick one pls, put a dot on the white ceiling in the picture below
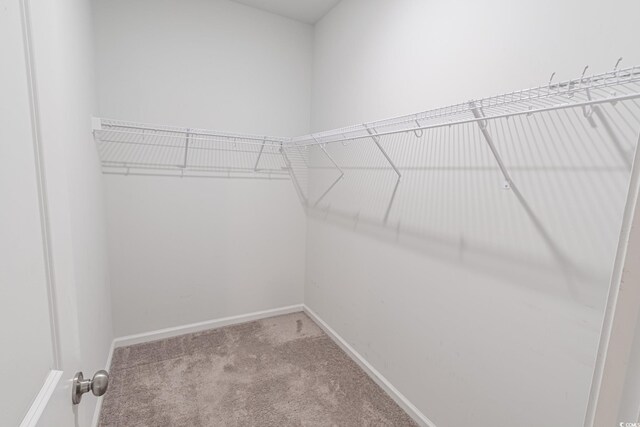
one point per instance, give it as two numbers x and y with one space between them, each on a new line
309 11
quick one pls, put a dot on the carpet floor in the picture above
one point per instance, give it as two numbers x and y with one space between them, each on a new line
280 371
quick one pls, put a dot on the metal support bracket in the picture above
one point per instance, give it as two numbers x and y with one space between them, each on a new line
324 150
255 168
477 113
186 149
294 178
376 140
391 200
562 259
588 110
332 160
588 113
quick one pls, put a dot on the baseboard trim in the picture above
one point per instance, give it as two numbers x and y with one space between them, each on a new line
188 329
203 326
376 376
40 402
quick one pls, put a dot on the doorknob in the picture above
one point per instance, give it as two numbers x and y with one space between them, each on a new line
98 385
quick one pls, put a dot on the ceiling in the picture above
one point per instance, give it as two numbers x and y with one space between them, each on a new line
308 11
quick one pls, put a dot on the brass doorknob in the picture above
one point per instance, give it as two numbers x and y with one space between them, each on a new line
98 385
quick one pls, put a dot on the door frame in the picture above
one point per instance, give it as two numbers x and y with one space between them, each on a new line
621 318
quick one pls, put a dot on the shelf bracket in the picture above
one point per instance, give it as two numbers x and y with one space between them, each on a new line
333 184
255 168
294 178
553 247
326 153
391 200
477 113
376 140
186 149
335 164
588 113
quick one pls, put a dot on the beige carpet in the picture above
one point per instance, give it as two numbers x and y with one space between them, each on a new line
281 371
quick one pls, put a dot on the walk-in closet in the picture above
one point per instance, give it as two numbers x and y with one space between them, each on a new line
271 213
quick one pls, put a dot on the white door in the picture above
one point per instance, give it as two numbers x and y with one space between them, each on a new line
29 358
39 318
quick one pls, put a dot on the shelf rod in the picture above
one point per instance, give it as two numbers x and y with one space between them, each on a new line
176 135
195 134
138 165
196 175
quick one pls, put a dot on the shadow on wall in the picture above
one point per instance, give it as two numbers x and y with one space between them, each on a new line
555 230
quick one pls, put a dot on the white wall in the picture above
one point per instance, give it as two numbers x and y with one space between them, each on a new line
385 59
190 250
26 357
201 63
456 299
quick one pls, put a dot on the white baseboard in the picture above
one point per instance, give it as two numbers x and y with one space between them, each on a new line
41 400
188 329
203 326
376 376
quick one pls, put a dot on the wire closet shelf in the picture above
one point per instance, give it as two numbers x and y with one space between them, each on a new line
584 92
144 149
131 148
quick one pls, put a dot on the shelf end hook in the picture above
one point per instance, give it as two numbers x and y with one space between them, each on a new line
617 63
584 72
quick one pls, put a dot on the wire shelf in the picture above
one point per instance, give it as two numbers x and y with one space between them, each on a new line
584 92
136 148
133 148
